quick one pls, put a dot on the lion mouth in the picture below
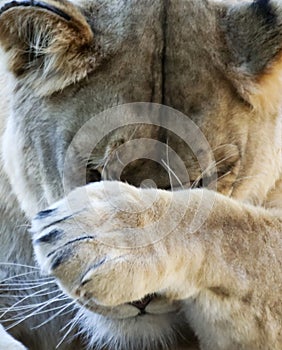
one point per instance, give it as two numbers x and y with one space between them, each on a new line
152 305
143 303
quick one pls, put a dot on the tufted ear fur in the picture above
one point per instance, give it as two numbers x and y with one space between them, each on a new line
48 45
253 34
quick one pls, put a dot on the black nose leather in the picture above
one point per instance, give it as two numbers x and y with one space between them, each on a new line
143 303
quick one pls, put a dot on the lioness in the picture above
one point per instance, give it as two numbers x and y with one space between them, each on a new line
193 264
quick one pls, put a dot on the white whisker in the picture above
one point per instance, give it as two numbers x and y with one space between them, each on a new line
134 132
23 226
26 288
246 178
35 312
28 281
32 306
170 171
62 308
167 165
22 300
118 158
23 315
17 276
213 165
19 265
71 326
220 178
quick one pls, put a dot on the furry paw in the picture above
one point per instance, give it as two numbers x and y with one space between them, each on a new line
101 242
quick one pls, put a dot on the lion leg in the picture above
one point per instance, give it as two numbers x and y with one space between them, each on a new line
227 268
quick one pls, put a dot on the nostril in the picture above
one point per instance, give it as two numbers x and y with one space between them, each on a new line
143 303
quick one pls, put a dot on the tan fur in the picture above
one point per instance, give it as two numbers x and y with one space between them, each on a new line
266 95
61 57
211 257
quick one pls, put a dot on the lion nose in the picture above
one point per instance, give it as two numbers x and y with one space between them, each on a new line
143 303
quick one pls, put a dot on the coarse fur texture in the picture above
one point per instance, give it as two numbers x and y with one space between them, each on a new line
110 265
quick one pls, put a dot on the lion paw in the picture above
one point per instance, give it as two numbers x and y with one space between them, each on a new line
97 243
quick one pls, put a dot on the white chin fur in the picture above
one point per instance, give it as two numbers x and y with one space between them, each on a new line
136 333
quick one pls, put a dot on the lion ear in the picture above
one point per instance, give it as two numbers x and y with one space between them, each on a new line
48 45
253 34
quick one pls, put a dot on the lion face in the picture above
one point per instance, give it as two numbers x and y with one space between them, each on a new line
81 59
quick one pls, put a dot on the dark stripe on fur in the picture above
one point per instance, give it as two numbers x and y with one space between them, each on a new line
61 259
79 239
57 222
93 267
32 3
50 237
60 220
43 214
